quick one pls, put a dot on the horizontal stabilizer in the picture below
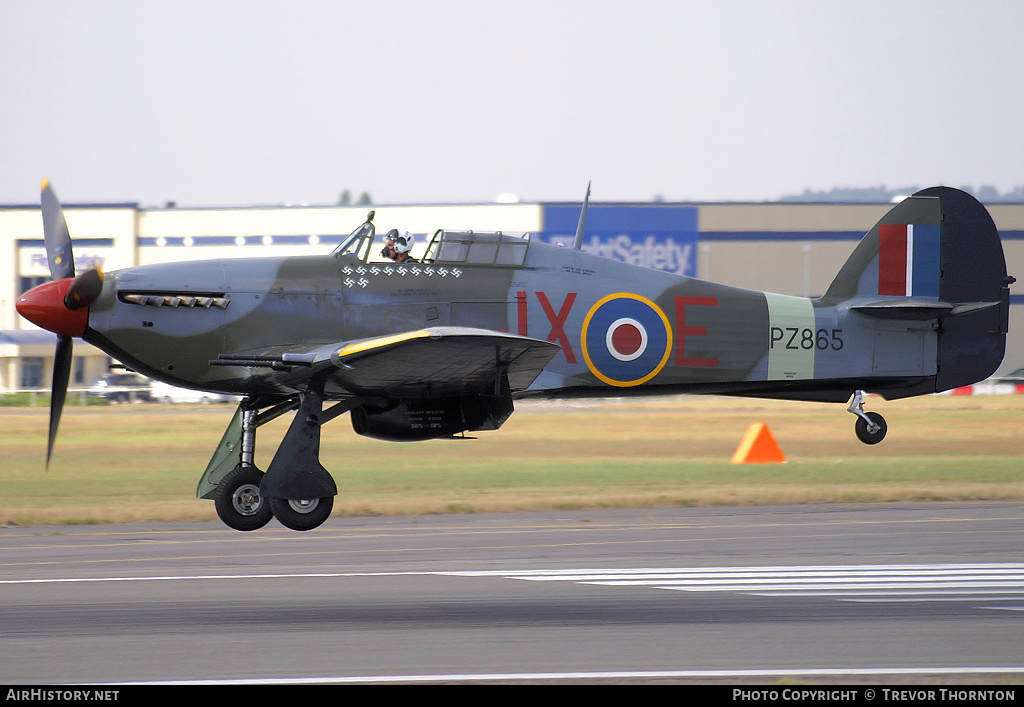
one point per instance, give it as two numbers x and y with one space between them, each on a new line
916 309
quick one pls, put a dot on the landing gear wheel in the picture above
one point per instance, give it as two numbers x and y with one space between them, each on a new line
865 435
302 514
239 502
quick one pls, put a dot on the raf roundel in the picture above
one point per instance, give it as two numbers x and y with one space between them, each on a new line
626 339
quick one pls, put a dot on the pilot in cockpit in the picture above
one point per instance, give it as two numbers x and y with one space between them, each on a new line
397 247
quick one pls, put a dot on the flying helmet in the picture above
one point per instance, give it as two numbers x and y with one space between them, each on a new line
403 243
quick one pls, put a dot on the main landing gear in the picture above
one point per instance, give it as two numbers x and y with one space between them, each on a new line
296 489
242 506
302 514
238 500
871 427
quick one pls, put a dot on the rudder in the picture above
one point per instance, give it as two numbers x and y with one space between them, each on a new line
972 341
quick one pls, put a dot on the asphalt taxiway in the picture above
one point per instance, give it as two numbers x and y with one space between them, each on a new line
928 592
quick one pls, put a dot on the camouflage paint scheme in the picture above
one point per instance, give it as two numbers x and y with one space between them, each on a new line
434 348
700 336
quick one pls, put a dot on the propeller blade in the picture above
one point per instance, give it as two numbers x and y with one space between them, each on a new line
84 289
59 390
55 232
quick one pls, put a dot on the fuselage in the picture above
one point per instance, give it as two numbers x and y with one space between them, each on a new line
620 327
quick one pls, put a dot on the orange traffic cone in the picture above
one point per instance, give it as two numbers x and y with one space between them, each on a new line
758 447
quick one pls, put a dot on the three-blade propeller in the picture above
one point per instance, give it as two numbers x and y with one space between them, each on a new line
62 305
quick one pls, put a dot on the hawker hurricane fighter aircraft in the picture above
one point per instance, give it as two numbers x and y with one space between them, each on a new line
443 344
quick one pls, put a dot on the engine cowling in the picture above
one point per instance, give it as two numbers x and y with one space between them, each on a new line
412 420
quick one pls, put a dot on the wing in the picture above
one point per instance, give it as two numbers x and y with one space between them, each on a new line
425 363
440 362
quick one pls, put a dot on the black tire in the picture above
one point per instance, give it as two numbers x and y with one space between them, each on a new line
302 515
239 502
862 428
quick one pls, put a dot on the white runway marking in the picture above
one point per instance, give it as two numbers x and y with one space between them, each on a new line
979 583
863 583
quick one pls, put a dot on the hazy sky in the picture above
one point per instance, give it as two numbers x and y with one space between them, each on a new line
242 103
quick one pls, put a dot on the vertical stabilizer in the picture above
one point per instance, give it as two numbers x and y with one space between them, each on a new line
935 257
899 257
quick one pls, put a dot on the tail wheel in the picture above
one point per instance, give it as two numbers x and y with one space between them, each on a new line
304 514
239 502
864 431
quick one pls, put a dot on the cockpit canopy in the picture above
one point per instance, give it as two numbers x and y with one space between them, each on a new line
462 247
478 247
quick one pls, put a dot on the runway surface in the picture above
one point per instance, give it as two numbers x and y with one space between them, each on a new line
834 594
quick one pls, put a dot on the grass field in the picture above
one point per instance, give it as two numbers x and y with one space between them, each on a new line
142 462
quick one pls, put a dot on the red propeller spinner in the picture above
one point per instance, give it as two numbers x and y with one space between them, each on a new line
45 307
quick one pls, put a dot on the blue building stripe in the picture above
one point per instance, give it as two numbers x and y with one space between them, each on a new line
781 235
811 235
83 242
198 241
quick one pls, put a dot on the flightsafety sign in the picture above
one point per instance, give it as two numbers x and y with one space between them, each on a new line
649 235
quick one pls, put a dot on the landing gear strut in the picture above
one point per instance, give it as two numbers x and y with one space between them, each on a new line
295 489
871 427
237 499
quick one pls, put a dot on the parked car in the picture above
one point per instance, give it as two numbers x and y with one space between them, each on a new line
123 387
164 393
